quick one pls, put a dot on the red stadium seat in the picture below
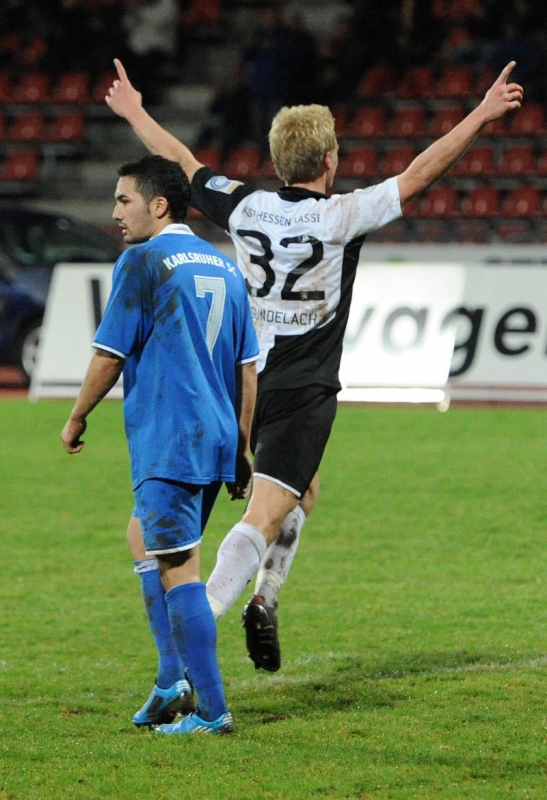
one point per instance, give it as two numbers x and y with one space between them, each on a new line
524 201
473 230
101 87
517 161
496 128
20 165
441 201
243 162
455 82
28 128
481 202
67 128
407 122
515 231
5 88
444 120
210 156
396 161
359 163
527 121
368 122
72 87
477 161
417 83
432 230
541 164
32 88
376 82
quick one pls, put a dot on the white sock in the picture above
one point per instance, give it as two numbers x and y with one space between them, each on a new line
277 560
238 559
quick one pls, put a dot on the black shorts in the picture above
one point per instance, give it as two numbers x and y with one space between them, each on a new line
291 429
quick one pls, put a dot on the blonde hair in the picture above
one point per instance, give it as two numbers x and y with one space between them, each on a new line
300 136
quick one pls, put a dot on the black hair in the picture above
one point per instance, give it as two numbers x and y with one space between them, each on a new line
156 176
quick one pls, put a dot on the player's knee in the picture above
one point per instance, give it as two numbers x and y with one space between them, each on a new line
308 501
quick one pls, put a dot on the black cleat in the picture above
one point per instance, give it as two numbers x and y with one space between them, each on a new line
260 623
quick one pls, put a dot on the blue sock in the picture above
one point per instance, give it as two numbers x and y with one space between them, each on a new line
170 667
195 634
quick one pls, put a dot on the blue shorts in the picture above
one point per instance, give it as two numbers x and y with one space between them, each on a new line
173 515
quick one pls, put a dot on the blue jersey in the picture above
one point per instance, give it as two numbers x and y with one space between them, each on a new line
179 314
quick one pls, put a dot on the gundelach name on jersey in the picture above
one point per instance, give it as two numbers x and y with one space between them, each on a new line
298 318
279 219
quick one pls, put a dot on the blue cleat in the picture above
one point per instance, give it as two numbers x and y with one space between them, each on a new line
163 705
194 724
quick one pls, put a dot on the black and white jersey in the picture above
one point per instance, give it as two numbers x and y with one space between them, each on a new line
298 251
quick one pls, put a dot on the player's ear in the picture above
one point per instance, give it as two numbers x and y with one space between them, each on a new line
160 207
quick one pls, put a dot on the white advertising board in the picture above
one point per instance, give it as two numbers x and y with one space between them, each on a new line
395 339
76 301
405 322
501 341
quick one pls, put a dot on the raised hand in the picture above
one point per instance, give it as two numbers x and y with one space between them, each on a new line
502 96
122 96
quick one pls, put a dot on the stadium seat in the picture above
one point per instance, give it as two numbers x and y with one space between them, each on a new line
496 128
516 161
541 164
68 128
432 230
72 87
20 165
268 170
472 231
244 162
444 120
476 162
358 163
368 122
481 202
407 122
454 82
32 88
523 201
396 161
417 83
376 83
515 231
527 121
29 127
441 201
210 156
5 88
101 87
397 231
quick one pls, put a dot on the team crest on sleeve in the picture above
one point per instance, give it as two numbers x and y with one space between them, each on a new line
221 184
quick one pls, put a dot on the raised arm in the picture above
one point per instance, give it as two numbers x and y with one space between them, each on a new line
432 164
126 102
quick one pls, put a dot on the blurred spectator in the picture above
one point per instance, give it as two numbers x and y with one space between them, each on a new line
342 64
151 35
266 57
518 44
303 67
229 125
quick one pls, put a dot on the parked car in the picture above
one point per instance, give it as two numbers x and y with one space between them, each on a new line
31 243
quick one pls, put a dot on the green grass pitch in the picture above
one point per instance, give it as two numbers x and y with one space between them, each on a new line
413 625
